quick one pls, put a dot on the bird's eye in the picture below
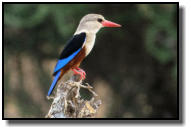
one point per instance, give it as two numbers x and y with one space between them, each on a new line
99 20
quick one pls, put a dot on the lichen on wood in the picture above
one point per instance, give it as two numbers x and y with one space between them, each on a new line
68 103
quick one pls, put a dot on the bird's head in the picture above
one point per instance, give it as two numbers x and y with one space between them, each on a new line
92 23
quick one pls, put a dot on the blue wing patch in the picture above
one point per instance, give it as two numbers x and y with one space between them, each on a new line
54 83
73 47
62 62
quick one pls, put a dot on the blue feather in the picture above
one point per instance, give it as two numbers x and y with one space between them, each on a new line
62 62
54 83
73 47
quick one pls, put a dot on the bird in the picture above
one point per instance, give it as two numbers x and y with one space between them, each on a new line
79 46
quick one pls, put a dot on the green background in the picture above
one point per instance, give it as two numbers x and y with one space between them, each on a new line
132 68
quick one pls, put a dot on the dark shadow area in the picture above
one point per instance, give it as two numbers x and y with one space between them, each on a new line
181 65
92 122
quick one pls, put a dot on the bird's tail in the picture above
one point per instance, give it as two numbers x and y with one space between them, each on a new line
54 82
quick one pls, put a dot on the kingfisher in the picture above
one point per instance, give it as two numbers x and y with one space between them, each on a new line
79 46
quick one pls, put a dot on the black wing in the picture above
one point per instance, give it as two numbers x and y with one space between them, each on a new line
73 46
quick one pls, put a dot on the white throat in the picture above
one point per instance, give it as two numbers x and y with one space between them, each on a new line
90 41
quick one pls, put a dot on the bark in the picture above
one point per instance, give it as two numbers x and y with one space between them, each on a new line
68 102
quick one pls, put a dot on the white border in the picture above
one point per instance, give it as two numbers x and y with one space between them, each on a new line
139 128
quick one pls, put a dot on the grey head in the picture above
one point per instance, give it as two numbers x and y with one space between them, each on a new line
90 23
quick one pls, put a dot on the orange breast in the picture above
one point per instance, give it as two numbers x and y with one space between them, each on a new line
75 62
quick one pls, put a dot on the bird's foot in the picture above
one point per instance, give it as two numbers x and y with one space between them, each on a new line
81 72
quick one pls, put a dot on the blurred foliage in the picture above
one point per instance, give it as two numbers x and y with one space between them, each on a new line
133 68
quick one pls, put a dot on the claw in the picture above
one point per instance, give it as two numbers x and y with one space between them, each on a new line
78 71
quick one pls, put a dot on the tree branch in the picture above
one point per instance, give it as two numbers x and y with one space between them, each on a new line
68 102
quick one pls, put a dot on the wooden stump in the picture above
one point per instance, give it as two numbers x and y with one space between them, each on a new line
68 103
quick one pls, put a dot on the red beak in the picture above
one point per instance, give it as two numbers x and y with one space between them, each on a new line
107 23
